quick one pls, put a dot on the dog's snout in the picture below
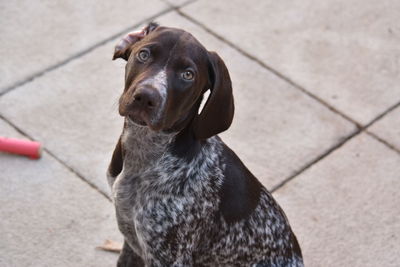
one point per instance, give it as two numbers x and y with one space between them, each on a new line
142 105
147 98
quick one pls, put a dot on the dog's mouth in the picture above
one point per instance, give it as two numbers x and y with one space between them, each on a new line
136 120
143 121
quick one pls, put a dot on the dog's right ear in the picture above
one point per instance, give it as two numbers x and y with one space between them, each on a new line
124 47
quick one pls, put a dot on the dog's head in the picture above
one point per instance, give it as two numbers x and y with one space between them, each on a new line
166 75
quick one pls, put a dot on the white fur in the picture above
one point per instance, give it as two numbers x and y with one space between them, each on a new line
160 83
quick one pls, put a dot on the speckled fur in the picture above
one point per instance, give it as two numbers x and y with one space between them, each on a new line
182 197
167 209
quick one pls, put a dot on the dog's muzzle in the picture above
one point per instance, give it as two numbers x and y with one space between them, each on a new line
143 107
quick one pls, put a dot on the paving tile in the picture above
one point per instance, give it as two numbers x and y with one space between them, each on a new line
345 209
49 216
345 52
388 128
38 34
73 110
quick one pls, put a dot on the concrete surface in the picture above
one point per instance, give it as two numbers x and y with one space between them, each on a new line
73 110
345 52
36 35
299 71
345 209
50 217
388 128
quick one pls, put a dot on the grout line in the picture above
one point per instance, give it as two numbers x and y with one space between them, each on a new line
314 161
335 147
16 128
92 185
83 52
392 147
269 68
382 115
377 118
177 6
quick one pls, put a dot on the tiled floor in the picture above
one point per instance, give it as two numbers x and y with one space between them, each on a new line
317 96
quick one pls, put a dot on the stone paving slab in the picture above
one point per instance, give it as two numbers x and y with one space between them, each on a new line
73 110
35 35
49 217
388 128
345 209
345 52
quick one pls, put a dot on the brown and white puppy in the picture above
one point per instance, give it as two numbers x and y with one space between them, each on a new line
182 197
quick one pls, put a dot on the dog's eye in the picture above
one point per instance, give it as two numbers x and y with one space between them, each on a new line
187 75
143 55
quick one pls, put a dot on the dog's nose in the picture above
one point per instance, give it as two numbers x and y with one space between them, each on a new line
146 98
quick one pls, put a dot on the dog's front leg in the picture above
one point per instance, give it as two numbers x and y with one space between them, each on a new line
116 163
128 258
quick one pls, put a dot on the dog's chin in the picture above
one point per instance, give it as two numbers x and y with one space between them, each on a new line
142 122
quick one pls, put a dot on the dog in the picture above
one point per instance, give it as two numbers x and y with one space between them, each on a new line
182 196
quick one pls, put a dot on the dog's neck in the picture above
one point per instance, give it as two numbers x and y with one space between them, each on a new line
142 146
166 156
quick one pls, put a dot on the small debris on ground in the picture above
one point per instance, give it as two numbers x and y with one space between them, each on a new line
110 245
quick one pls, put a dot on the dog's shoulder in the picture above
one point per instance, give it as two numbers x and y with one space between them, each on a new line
240 190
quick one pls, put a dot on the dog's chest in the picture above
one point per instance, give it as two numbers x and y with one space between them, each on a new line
156 192
134 188
150 203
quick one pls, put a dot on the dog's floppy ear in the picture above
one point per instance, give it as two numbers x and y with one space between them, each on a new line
124 46
217 113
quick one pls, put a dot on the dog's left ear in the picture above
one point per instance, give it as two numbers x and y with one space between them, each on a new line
217 113
124 47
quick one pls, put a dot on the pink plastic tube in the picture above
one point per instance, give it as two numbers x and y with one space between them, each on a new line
22 147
